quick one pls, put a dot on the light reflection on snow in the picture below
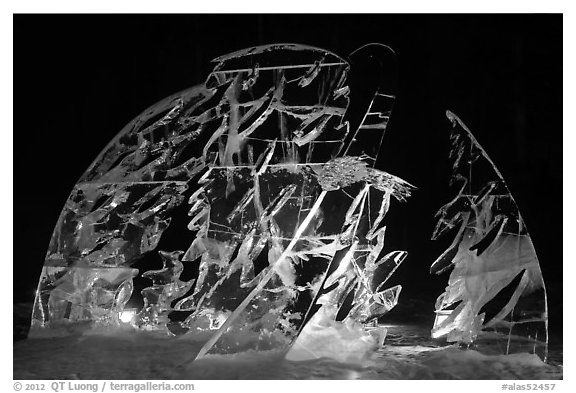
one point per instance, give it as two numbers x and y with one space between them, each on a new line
408 353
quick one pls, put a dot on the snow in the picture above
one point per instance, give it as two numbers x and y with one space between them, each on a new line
125 354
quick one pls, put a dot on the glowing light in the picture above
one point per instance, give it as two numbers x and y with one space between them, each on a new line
126 316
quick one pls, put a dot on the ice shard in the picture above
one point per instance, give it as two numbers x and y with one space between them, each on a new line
495 290
275 156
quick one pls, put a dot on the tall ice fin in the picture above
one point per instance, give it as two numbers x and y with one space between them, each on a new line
496 294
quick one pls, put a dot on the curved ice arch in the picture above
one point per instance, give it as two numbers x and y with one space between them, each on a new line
495 289
256 117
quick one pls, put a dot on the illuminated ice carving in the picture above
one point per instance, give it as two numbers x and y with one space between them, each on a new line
287 212
495 289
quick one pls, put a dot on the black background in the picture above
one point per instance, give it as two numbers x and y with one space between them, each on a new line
78 79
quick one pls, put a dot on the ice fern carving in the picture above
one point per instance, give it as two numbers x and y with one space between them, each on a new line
495 289
286 208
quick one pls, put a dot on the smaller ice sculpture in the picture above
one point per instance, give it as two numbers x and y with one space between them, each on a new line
495 289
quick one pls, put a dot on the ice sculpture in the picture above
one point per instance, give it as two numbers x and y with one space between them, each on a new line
275 155
495 289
